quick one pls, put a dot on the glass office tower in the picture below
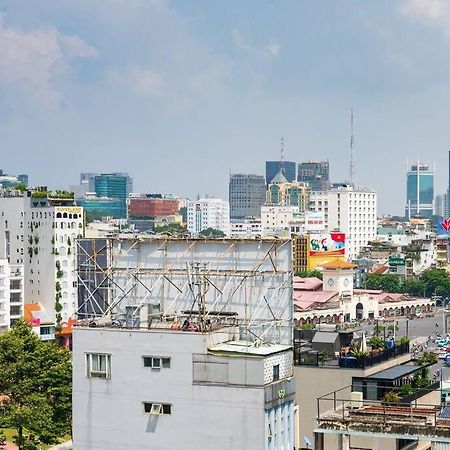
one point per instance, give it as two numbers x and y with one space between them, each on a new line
419 191
273 167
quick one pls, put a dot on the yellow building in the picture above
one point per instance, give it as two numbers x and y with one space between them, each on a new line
283 192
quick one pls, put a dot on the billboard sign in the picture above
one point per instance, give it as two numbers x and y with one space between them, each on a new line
327 244
314 221
395 261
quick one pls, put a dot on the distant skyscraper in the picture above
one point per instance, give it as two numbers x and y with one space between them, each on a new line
439 207
9 181
114 185
447 203
247 193
419 191
273 167
316 174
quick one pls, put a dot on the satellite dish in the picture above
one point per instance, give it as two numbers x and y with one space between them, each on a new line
307 441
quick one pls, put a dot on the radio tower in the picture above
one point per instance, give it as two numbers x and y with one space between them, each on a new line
352 145
282 167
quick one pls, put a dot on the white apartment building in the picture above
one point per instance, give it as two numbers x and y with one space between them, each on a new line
50 260
353 211
165 389
278 220
246 228
208 213
350 210
37 237
4 295
318 201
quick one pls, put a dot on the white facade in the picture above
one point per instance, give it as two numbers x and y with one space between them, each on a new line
35 237
16 293
353 211
165 389
50 256
4 296
318 201
246 228
208 213
278 220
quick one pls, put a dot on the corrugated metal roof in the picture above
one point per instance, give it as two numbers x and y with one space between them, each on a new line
325 337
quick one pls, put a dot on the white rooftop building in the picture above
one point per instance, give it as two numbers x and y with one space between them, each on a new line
168 389
208 213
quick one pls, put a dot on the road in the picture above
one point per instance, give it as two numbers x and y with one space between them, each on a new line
416 329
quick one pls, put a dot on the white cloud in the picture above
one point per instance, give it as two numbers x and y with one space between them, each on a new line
33 60
240 40
140 81
436 12
273 49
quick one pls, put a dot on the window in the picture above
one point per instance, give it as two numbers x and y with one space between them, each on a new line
98 365
156 362
157 409
276 372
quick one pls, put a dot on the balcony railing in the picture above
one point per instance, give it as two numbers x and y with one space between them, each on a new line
350 362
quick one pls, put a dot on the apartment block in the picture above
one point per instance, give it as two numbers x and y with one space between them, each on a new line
208 213
180 389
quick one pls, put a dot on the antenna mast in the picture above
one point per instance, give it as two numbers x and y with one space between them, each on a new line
282 165
352 144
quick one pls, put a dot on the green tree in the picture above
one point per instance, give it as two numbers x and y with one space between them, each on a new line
413 286
309 274
388 283
36 380
211 233
436 281
171 229
20 187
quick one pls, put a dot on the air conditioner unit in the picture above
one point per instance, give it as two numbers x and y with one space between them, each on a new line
156 409
356 400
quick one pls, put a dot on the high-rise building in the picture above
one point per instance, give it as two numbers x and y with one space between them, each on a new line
114 185
288 168
316 174
419 191
439 206
37 237
282 192
208 213
247 194
353 211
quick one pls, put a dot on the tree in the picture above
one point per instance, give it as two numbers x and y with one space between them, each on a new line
413 286
436 282
20 187
211 233
171 229
309 274
36 382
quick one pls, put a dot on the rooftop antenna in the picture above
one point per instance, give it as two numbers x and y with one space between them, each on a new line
352 145
282 165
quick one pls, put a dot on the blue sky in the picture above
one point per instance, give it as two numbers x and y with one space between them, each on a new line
180 92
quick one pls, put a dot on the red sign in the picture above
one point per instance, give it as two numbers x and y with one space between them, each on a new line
445 224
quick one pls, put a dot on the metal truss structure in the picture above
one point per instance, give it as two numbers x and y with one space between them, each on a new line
246 283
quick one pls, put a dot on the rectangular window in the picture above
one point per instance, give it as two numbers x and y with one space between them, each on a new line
156 362
276 372
157 409
98 365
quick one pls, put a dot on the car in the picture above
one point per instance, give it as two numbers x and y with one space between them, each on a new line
442 342
442 355
447 360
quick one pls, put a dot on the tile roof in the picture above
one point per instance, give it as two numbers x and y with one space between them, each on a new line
338 264
304 299
307 284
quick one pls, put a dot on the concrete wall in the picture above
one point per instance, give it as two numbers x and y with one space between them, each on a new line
313 382
108 413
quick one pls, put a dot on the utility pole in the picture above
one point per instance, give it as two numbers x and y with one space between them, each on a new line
352 144
282 164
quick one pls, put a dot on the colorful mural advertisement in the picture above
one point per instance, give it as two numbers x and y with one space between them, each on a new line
330 244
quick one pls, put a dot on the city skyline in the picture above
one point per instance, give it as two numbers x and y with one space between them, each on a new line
293 71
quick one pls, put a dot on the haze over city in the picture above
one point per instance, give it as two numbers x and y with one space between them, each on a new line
160 88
